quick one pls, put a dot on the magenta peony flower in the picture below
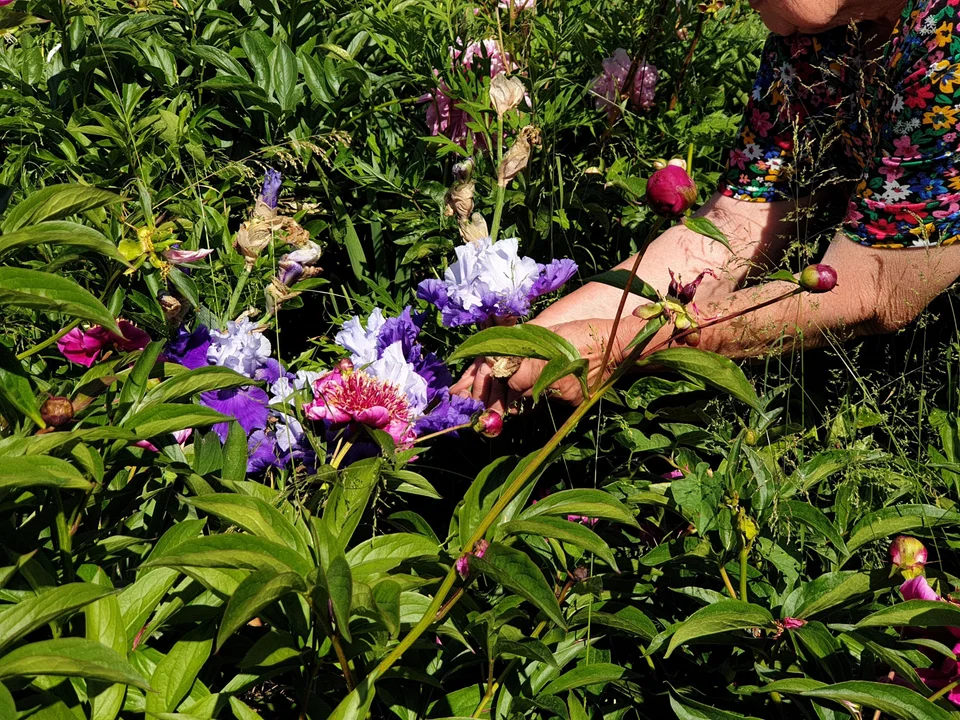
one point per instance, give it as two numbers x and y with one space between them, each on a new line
444 117
5 2
947 674
670 191
609 87
175 256
918 589
463 562
818 278
361 398
181 436
83 347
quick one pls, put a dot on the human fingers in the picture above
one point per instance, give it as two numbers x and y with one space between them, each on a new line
465 383
496 400
481 383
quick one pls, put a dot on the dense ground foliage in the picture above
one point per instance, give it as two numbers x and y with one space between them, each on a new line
207 207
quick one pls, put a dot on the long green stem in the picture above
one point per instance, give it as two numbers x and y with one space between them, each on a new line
238 291
726 582
943 691
743 571
498 207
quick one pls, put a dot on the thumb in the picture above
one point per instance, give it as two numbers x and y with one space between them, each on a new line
522 381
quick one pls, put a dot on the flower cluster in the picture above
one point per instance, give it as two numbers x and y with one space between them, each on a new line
491 281
390 384
444 116
613 84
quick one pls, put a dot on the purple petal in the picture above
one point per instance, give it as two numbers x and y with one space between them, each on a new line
247 405
553 276
189 349
451 411
403 329
433 370
270 372
261 452
434 292
271 188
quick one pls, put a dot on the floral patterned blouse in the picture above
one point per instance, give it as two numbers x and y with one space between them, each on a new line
821 114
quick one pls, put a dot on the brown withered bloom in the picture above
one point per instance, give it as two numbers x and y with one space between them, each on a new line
475 229
265 224
459 199
518 155
505 93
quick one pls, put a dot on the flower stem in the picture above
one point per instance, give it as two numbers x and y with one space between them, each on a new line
342 659
943 691
238 291
623 301
498 207
744 552
727 583
432 435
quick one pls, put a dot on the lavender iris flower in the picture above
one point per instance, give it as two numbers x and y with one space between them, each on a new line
240 348
247 405
360 341
271 188
490 280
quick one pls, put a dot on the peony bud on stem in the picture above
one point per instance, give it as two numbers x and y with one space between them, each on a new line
671 191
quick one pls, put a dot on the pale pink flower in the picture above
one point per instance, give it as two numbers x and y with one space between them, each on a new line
610 87
176 256
516 6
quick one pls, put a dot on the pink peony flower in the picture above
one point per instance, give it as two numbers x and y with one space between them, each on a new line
818 278
358 397
176 256
918 589
463 562
948 673
444 117
610 87
83 347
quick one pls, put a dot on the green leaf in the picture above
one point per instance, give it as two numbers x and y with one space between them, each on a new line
7 707
283 73
559 368
35 612
55 202
15 388
516 572
530 649
831 590
61 232
586 502
17 473
628 619
349 497
565 530
254 515
721 617
715 370
524 340
686 709
893 700
575 708
170 417
242 711
188 384
897 519
794 686
382 553
334 574
618 279
177 671
104 624
257 591
70 657
47 443
592 674
235 454
233 551
135 384
705 227
914 613
220 59
51 293
814 519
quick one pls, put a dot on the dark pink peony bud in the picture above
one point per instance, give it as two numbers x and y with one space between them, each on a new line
463 562
818 278
908 555
345 366
57 411
489 423
790 623
670 191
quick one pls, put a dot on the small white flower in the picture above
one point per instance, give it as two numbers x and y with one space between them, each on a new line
897 105
928 27
53 51
753 151
894 192
787 74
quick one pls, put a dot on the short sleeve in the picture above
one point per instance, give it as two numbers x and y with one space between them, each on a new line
784 142
909 193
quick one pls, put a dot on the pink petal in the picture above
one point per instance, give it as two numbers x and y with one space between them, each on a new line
918 589
184 256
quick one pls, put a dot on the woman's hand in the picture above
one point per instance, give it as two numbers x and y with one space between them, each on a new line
588 336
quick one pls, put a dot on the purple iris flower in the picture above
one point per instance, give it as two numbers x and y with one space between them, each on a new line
247 405
491 280
189 348
261 452
403 329
290 272
451 411
271 188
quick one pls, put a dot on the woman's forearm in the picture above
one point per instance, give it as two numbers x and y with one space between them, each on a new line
757 237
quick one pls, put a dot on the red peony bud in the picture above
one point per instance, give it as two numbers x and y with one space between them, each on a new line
345 366
57 411
909 555
489 424
670 191
818 278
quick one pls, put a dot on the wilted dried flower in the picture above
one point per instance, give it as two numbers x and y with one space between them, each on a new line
474 230
459 199
505 93
517 157
463 170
